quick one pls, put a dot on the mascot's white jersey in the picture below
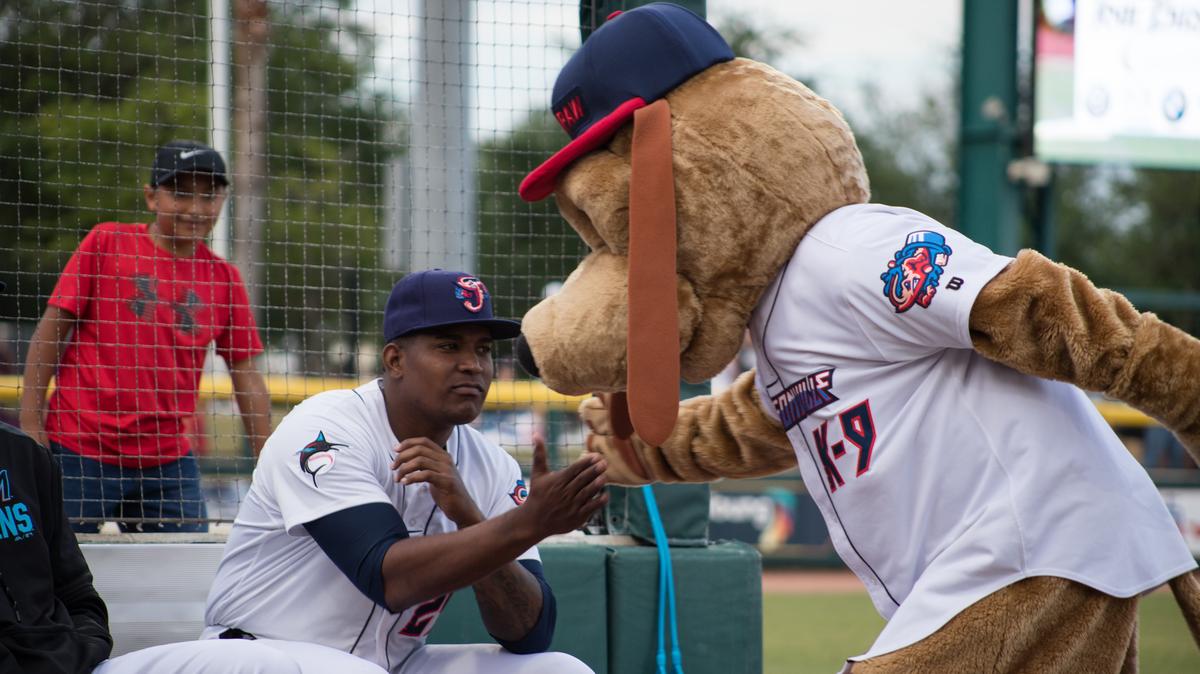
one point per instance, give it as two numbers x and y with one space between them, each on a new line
332 452
942 476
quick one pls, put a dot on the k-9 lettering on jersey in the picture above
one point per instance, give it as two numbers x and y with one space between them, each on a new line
941 475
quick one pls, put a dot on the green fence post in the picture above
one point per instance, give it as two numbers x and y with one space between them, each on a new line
988 202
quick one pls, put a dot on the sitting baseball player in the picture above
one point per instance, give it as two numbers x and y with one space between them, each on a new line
929 389
370 506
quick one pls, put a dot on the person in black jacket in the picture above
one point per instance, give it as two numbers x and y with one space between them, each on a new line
51 618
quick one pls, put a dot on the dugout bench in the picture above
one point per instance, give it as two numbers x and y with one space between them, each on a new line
155 586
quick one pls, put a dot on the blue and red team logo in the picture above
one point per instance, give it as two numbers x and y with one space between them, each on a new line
912 277
317 456
472 292
519 493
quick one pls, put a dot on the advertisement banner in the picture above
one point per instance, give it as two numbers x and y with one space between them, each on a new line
778 517
1184 505
1117 81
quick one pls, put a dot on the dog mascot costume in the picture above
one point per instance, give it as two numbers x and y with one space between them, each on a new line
928 389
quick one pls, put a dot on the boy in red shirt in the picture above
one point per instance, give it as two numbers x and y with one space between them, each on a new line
141 304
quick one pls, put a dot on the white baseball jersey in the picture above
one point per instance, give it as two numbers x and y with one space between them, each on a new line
942 476
333 452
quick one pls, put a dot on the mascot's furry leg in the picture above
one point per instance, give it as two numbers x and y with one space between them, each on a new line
1186 589
1035 626
1038 625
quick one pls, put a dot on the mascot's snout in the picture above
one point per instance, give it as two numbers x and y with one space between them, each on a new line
525 357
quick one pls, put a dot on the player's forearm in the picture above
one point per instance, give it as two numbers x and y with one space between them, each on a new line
45 351
254 403
421 568
1048 320
38 372
510 600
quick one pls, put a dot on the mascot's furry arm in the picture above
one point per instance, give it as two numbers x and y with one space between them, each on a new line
1048 320
1037 317
725 435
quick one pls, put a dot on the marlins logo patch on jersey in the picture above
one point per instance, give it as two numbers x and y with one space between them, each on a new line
317 456
520 492
912 276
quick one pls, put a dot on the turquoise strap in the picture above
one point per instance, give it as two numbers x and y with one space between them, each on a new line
666 587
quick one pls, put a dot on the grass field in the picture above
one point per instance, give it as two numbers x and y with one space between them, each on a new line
805 633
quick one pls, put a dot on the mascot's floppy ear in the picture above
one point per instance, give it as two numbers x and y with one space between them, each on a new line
653 339
624 70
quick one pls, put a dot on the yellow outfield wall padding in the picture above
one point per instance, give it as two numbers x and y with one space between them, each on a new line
285 390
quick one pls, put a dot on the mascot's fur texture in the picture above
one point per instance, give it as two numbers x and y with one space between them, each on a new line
758 158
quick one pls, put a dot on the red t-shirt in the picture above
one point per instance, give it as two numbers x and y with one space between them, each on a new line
128 379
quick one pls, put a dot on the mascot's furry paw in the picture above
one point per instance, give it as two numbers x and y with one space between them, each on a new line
625 465
724 435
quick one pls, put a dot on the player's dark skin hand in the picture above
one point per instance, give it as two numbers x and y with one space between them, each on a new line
562 501
422 460
420 568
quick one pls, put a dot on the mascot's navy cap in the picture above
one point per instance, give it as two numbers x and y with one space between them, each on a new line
437 298
628 63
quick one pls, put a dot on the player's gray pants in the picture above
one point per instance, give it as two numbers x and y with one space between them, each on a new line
238 656
273 656
486 659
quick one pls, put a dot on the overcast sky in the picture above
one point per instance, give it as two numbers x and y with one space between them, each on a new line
903 47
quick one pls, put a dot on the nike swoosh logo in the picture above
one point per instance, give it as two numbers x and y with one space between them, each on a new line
189 154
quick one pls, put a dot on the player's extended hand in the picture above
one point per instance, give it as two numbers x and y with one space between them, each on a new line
624 465
562 501
422 460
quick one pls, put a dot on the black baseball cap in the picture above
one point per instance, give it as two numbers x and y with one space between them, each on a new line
634 59
186 156
437 298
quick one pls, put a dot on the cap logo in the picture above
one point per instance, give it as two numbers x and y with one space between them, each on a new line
190 153
472 292
570 112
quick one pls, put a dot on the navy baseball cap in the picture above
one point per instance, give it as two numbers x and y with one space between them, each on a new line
186 156
634 59
436 298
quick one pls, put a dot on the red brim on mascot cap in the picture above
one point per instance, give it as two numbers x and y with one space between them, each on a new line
632 60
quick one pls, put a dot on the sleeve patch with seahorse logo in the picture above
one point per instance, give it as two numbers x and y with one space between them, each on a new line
912 276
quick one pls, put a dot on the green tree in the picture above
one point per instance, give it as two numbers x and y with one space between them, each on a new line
527 245
910 153
327 154
1134 230
91 88
760 43
88 89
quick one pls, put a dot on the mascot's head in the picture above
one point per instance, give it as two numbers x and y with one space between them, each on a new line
691 175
